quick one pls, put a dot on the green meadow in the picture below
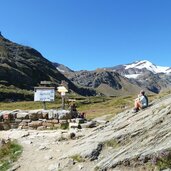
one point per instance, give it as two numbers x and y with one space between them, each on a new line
92 106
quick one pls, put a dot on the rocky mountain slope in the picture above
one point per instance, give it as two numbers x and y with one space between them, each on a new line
62 68
140 75
145 74
128 142
106 82
24 67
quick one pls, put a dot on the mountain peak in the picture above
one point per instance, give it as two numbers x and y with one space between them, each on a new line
144 62
147 65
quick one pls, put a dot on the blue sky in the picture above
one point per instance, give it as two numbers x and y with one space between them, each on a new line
89 34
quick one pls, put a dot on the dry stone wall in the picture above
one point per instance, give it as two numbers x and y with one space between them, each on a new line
33 119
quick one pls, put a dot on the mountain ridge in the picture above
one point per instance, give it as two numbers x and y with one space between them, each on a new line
24 67
142 73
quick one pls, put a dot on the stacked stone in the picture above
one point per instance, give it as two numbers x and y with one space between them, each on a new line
33 119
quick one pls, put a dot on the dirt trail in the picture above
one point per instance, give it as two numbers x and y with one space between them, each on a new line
42 149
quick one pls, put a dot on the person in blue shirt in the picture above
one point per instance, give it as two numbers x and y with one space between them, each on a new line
141 102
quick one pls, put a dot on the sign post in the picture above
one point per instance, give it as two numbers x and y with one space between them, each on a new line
62 90
44 94
44 105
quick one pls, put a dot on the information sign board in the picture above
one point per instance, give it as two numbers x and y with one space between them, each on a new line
44 94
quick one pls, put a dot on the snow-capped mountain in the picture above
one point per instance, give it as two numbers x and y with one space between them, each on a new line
138 68
145 74
149 66
140 75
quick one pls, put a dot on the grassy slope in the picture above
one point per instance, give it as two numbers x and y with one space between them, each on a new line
92 106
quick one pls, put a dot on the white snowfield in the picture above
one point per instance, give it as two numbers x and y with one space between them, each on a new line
149 66
131 75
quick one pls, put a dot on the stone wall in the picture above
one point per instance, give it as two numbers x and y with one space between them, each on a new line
33 119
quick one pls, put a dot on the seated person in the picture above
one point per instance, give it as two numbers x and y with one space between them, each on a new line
73 111
141 102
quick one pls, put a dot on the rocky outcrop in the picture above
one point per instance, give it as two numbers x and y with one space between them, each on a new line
130 139
108 83
93 79
153 82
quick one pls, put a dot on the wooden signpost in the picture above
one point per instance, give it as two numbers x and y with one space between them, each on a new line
62 90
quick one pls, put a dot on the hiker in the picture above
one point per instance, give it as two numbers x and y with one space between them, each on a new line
73 111
141 102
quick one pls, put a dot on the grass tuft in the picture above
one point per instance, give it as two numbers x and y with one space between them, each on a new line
112 143
78 158
162 160
9 153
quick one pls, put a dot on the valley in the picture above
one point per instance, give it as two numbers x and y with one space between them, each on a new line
118 140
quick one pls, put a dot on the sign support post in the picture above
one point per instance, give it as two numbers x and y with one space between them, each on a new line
44 105
63 102
62 90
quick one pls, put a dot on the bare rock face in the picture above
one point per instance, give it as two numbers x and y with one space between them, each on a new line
130 139
107 82
95 78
